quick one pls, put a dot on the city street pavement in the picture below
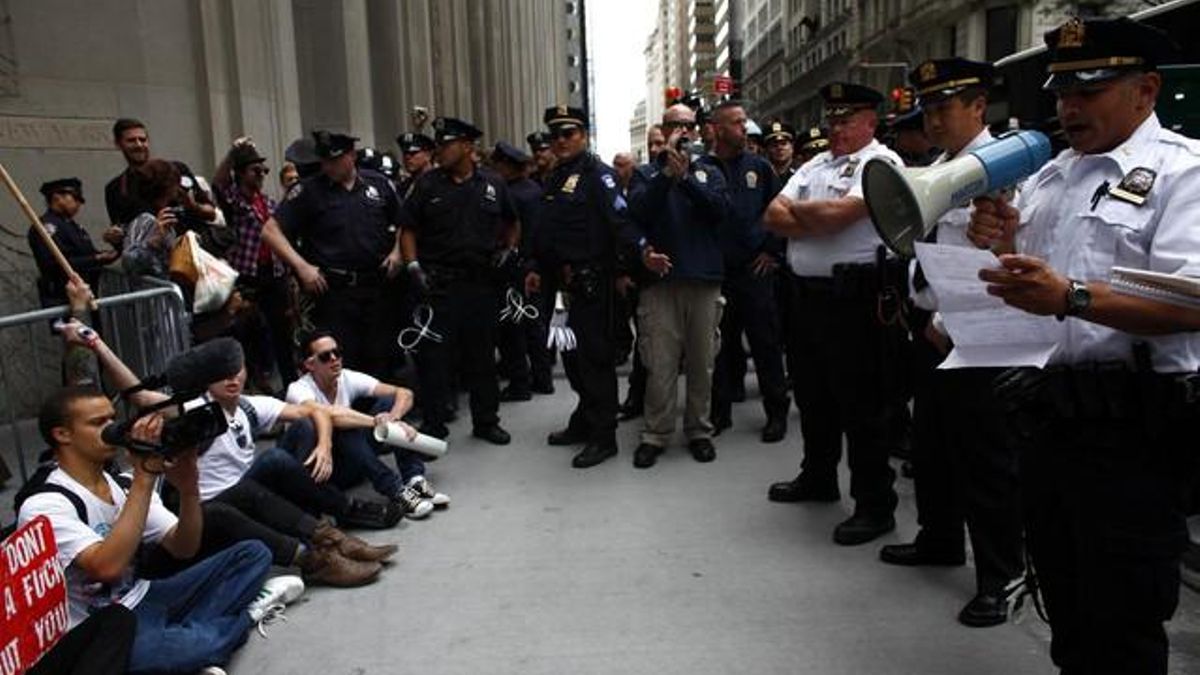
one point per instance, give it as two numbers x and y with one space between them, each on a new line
539 568
683 568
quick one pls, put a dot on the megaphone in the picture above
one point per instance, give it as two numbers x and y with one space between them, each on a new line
906 203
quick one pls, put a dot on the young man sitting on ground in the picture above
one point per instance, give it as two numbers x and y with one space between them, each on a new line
347 391
192 620
273 490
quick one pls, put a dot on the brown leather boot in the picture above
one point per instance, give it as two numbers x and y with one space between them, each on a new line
350 546
326 566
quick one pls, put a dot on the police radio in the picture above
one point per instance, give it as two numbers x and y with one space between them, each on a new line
906 203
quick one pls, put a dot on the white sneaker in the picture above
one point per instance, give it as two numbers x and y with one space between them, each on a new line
424 488
413 504
276 594
212 670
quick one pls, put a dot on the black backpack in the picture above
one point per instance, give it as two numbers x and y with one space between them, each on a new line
37 485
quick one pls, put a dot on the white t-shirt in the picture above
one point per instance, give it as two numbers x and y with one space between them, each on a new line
351 385
231 453
73 536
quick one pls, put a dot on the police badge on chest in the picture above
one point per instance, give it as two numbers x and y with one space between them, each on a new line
1135 186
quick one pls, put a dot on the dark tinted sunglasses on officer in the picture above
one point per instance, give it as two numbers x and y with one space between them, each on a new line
564 131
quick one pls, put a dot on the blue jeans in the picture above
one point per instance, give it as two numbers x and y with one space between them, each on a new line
280 472
198 617
356 454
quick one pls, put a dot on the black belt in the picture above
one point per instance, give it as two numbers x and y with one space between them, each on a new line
352 278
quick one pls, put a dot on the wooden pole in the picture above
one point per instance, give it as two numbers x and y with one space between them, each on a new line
40 228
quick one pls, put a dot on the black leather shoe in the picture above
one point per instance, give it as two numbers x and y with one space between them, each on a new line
566 436
984 610
435 430
775 430
492 434
702 449
510 394
646 455
799 490
913 555
859 529
720 423
593 454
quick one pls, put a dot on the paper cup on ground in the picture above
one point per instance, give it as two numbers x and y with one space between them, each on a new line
393 434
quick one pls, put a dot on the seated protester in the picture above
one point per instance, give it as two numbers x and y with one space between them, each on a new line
185 622
274 490
355 447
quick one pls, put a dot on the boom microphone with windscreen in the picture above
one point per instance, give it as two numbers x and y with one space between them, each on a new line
906 203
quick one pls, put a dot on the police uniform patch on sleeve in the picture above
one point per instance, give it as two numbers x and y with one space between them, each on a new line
751 179
1135 186
51 228
701 176
608 181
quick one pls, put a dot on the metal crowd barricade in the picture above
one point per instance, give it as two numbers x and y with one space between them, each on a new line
145 322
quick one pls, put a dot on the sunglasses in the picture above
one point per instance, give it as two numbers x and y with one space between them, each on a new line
261 170
563 132
239 433
329 355
679 125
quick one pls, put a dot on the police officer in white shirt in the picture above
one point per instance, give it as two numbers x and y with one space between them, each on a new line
1110 425
966 471
843 376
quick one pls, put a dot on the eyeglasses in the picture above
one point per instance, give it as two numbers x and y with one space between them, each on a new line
329 355
678 125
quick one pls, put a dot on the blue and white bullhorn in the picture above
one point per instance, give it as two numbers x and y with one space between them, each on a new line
906 203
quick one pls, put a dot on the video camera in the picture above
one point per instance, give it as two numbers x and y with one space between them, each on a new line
188 424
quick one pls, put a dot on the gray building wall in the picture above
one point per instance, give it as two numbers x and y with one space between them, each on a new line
202 72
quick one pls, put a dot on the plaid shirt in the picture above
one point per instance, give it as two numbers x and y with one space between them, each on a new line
240 214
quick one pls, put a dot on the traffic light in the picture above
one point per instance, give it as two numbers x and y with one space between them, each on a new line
902 99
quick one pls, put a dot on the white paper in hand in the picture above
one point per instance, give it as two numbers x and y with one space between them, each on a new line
986 332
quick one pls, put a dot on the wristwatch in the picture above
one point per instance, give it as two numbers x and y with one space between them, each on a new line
1079 298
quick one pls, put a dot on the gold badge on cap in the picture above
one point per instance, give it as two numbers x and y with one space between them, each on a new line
928 71
1071 34
1135 186
776 128
814 133
562 110
835 91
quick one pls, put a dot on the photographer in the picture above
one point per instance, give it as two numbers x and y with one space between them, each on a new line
280 494
681 211
152 233
186 622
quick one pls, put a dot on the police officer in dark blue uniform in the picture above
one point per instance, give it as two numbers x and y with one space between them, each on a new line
416 152
524 357
458 221
751 259
64 199
344 220
583 225
543 156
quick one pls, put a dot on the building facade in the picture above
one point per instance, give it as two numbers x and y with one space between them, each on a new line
202 72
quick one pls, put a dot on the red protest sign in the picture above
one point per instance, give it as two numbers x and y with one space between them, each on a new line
722 85
33 591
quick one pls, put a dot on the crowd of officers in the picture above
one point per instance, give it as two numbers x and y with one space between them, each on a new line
1071 481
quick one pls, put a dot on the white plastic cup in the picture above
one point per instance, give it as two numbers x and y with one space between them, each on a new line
393 434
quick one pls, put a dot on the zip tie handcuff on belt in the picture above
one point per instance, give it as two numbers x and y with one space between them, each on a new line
560 336
516 309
